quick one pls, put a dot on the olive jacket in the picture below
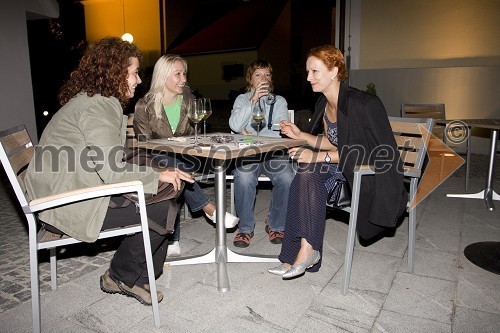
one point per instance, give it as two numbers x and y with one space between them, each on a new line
83 146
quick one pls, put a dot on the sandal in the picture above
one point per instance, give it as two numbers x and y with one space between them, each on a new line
242 239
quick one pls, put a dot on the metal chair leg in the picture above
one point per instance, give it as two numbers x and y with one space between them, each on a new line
53 268
34 276
467 163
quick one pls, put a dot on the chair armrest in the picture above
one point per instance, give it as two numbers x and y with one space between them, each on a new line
84 194
368 170
364 170
412 172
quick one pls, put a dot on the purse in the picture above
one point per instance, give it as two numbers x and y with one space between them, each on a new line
165 191
340 196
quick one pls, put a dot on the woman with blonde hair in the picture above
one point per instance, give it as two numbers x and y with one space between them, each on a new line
162 113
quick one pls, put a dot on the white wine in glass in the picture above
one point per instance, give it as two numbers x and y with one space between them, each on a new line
195 114
258 115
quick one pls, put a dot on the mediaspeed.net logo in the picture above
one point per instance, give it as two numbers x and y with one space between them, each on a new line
443 161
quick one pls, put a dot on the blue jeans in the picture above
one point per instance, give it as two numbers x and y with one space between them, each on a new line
193 194
280 172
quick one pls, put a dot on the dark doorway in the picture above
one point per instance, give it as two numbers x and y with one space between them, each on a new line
55 47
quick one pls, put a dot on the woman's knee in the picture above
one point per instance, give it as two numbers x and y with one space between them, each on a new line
245 178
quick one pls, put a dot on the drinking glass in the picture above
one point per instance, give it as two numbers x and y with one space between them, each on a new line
186 86
207 110
195 114
270 97
258 115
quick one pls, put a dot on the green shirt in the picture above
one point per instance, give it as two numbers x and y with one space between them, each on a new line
173 113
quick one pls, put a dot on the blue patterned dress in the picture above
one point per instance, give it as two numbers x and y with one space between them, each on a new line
307 204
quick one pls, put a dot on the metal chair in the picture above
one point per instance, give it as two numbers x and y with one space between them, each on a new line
16 151
437 112
412 137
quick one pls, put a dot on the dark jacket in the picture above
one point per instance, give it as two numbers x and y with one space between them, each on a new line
365 137
147 126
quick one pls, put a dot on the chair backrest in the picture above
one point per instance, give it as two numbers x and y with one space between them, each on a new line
412 136
131 139
435 111
16 152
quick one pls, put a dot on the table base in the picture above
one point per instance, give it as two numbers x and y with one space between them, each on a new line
220 255
485 255
488 195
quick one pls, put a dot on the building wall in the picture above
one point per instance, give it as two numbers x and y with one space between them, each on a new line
442 51
276 48
422 34
16 91
177 14
141 18
205 73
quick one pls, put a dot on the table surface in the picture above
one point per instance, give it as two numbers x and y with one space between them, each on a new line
482 123
220 151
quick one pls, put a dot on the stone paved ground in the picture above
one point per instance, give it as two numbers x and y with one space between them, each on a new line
14 257
78 260
73 261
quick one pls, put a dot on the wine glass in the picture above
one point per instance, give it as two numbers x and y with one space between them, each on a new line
186 86
207 110
195 114
258 115
270 97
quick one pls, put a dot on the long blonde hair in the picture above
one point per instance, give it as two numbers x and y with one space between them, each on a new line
163 68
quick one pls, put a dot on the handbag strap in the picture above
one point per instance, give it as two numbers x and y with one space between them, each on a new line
270 123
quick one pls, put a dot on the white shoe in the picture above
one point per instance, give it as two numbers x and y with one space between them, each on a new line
174 249
229 220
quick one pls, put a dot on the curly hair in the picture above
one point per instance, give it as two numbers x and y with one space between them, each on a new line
331 57
257 64
103 70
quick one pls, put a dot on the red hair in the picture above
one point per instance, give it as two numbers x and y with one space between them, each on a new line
102 70
331 57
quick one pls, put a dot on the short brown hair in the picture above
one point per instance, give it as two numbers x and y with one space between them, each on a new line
331 57
259 63
102 70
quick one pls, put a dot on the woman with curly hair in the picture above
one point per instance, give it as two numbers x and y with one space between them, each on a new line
90 129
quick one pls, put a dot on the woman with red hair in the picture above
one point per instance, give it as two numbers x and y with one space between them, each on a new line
356 131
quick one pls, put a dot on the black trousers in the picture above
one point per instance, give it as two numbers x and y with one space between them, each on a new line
129 261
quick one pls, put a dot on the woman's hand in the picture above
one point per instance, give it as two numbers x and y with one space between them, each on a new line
302 155
290 129
175 177
262 89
